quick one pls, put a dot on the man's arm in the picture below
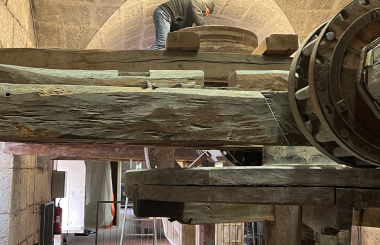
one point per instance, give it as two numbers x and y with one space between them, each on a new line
198 8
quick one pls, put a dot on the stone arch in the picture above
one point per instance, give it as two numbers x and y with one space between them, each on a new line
131 26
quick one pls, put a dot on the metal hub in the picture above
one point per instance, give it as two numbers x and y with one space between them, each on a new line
326 87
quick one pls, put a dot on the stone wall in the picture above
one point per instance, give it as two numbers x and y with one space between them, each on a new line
16 24
25 184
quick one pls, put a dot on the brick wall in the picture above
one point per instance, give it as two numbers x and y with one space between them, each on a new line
25 184
16 24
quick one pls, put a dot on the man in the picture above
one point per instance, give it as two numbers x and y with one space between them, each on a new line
178 14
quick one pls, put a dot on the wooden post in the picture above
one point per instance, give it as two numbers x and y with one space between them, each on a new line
288 225
343 238
188 234
270 236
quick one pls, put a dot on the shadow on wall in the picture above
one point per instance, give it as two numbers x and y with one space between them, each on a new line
131 27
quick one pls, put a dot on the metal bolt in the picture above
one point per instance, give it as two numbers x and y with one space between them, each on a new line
342 105
330 36
366 149
376 14
314 115
363 2
322 86
344 133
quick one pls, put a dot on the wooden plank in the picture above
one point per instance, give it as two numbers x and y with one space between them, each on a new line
367 198
216 66
205 213
274 80
238 195
369 217
308 235
343 238
178 117
161 157
278 44
321 219
288 225
280 107
258 176
270 234
207 234
188 235
160 78
183 41
90 152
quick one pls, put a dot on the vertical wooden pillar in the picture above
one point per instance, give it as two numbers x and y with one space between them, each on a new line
207 234
287 227
188 235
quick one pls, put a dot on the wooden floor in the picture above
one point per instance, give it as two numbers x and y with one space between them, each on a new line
111 236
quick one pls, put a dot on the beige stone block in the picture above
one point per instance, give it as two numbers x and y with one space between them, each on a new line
6 27
30 240
292 4
116 3
129 14
14 228
16 191
36 238
6 160
20 9
237 9
4 228
132 43
102 14
79 38
75 15
150 31
24 243
50 36
6 190
320 4
297 20
315 19
147 43
23 189
47 11
30 188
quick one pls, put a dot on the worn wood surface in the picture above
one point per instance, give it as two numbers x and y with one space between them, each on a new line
135 116
308 236
257 176
224 39
342 238
367 198
90 152
369 217
323 220
205 213
157 78
216 66
274 80
278 44
183 41
161 157
236 195
188 235
270 233
207 234
288 225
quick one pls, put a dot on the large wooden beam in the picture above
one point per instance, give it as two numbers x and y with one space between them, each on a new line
278 44
161 117
288 225
90 152
216 66
258 176
204 213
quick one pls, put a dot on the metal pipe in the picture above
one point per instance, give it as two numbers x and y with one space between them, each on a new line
123 224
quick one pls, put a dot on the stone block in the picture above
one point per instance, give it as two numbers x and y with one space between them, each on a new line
75 15
4 228
36 238
20 9
6 27
14 228
102 14
5 190
6 161
320 4
315 19
30 240
25 224
28 162
116 3
16 189
47 12
50 36
23 189
30 188
79 38
292 4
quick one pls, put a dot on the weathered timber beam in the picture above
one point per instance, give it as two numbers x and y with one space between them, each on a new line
257 176
278 44
234 195
90 152
160 78
204 213
259 80
369 217
162 117
216 66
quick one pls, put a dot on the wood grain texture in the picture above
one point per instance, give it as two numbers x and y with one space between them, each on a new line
216 66
369 217
257 176
208 231
205 213
278 44
160 117
270 234
161 157
90 152
183 41
160 78
323 220
188 235
238 195
288 225
342 238
259 80
367 198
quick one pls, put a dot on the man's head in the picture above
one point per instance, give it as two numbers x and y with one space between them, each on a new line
209 7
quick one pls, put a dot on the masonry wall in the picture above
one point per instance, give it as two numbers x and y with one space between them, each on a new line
16 24
25 184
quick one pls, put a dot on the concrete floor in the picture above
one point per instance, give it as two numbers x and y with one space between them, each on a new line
111 236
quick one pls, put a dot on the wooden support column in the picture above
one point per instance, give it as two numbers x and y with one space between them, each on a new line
288 225
270 235
207 234
188 234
